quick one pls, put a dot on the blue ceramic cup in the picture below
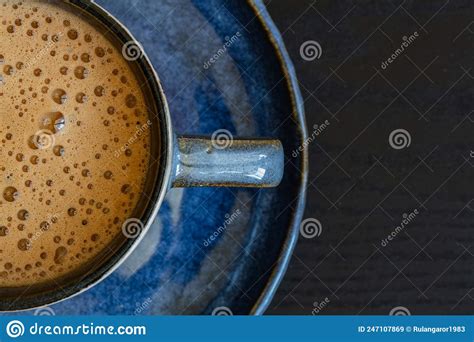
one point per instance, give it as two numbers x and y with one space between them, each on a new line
177 161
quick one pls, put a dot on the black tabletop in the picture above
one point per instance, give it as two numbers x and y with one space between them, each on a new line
388 90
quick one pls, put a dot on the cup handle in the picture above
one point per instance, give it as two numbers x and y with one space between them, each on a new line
227 162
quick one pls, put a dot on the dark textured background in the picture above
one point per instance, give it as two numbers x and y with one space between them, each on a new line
359 186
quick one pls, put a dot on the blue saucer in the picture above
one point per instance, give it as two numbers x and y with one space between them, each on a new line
212 248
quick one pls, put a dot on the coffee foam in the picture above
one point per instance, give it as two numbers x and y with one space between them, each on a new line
75 140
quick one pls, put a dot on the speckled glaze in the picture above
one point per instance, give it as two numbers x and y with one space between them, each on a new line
200 161
212 247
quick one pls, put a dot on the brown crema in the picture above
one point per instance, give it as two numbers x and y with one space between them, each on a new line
74 142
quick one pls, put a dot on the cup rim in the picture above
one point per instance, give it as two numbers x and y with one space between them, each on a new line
57 295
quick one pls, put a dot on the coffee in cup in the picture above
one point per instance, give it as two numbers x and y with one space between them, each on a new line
75 141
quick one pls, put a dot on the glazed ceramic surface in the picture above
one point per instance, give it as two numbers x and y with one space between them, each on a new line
212 247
